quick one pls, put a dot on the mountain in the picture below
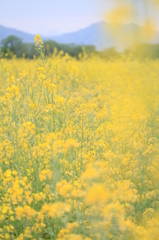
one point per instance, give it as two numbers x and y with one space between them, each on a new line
102 35
26 37
5 32
99 34
105 35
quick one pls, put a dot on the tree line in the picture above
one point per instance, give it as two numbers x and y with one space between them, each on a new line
13 45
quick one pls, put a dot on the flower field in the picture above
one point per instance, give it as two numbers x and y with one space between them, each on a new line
79 149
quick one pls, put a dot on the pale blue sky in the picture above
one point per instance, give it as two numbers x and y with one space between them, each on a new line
50 15
55 16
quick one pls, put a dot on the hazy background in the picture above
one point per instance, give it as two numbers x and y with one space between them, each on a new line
52 17
112 26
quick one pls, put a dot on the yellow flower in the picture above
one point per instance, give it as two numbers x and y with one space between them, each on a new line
70 143
97 194
90 173
37 38
19 212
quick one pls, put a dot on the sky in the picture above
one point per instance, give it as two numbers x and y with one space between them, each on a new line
53 17
45 16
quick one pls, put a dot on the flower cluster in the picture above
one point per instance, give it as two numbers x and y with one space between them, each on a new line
79 163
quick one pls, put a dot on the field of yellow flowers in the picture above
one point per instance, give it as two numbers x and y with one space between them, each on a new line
79 149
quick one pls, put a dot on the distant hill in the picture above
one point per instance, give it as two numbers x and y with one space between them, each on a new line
102 35
5 32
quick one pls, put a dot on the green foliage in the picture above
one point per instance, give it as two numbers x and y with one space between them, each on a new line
14 45
11 44
144 50
71 49
109 53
